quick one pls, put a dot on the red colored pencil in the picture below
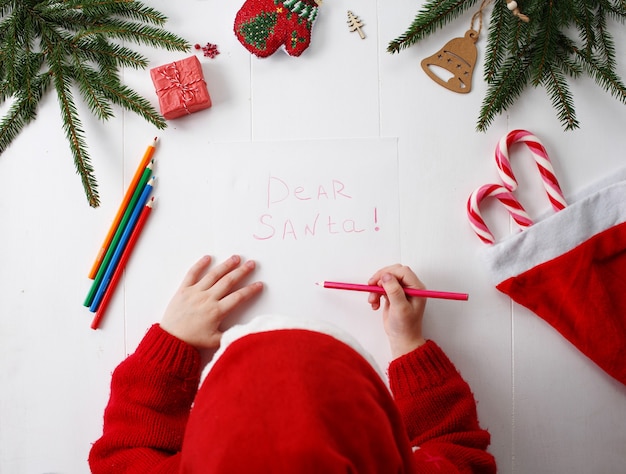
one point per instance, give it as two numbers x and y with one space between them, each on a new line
147 157
117 274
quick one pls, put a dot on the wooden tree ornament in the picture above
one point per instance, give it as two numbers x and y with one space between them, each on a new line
355 24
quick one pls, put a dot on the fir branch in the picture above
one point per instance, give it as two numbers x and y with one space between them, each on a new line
584 20
503 31
562 40
124 96
88 81
561 98
616 9
604 43
5 6
505 88
565 60
11 50
136 33
70 44
73 127
434 15
51 15
544 42
109 56
122 8
5 89
604 76
18 116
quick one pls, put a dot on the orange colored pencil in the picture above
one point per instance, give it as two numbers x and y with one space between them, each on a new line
117 274
120 212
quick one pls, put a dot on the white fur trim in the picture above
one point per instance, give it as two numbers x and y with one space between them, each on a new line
274 322
603 207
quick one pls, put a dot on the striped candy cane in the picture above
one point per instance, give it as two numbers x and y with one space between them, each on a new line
502 194
550 183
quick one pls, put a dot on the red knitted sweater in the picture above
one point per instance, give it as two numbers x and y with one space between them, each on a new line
433 422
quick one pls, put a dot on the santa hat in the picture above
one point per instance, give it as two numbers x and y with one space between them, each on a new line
294 401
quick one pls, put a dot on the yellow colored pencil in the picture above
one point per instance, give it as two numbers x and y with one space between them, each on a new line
120 212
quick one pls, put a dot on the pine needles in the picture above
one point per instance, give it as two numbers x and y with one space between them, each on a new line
563 40
66 45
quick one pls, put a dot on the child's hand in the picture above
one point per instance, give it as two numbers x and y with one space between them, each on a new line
402 314
205 298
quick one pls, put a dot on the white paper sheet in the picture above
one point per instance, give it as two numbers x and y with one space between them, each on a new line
308 211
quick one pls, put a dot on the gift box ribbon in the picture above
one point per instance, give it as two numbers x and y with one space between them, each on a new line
187 90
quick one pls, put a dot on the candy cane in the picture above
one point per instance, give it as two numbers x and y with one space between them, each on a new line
550 183
502 194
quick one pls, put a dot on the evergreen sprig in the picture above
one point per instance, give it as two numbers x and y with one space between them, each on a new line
563 40
68 45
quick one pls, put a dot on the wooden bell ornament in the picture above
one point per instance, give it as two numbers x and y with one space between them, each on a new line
458 58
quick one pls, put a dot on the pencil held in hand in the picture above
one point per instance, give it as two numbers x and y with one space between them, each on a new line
379 289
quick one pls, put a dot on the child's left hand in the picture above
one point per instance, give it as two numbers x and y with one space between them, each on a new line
205 298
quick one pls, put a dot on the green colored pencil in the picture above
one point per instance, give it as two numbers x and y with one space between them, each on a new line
118 234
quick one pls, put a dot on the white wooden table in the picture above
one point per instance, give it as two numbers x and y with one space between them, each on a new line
548 408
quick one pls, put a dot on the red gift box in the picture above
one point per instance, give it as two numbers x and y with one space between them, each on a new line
181 88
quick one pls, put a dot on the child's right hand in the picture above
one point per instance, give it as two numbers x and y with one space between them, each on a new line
205 298
402 314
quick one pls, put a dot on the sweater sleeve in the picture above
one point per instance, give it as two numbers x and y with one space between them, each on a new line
439 412
151 396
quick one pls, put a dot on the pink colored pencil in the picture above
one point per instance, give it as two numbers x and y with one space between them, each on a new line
117 274
409 291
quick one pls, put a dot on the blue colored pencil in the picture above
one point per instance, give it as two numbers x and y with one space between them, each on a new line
128 211
143 199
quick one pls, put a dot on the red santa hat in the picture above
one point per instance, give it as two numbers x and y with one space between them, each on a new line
294 401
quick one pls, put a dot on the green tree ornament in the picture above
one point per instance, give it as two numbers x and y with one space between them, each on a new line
69 45
561 40
259 28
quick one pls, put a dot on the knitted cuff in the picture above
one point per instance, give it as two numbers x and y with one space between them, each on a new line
158 347
304 9
425 367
